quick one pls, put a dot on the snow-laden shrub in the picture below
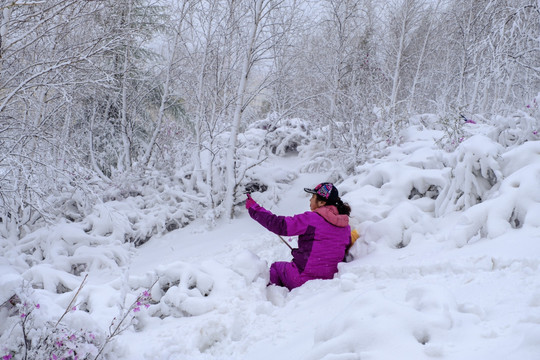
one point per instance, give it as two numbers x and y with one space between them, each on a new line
317 157
390 202
484 188
516 129
393 198
474 170
53 257
143 205
273 136
259 141
29 332
519 126
255 144
42 195
515 205
453 127
181 290
283 135
36 324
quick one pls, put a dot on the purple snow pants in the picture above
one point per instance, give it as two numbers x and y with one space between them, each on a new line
286 274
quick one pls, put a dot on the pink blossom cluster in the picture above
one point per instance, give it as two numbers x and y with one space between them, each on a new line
67 345
142 300
26 309
63 345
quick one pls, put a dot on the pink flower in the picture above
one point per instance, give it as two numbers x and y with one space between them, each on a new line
7 357
54 357
92 336
23 316
147 305
137 309
37 306
146 294
74 308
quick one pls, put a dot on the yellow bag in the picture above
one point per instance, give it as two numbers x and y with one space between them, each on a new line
354 236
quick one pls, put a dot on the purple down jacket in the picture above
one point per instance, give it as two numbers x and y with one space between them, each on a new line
323 236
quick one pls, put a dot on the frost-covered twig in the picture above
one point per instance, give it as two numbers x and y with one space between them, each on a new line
68 308
135 307
246 169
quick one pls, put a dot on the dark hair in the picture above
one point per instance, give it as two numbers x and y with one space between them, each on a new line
343 208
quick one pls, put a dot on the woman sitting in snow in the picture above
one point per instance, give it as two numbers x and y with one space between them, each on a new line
324 235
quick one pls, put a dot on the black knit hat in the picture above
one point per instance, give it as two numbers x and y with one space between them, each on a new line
325 190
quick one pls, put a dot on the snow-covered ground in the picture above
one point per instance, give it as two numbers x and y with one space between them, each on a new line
436 274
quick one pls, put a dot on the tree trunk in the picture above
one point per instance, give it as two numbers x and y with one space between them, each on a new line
396 77
125 160
418 72
239 104
93 161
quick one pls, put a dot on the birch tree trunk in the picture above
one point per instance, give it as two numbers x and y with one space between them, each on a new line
164 97
199 118
161 114
397 68
125 160
93 160
237 117
171 60
418 73
464 58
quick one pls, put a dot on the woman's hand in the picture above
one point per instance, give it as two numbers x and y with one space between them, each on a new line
250 202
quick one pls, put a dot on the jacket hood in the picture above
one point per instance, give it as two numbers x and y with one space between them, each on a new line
330 213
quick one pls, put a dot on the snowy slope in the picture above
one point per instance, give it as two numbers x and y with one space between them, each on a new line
434 298
435 274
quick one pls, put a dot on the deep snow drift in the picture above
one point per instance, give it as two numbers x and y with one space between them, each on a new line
446 267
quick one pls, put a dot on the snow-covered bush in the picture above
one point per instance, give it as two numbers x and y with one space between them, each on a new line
34 329
255 144
151 204
394 197
516 129
262 139
273 136
181 290
283 135
481 186
28 331
452 125
42 194
515 205
317 157
473 171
